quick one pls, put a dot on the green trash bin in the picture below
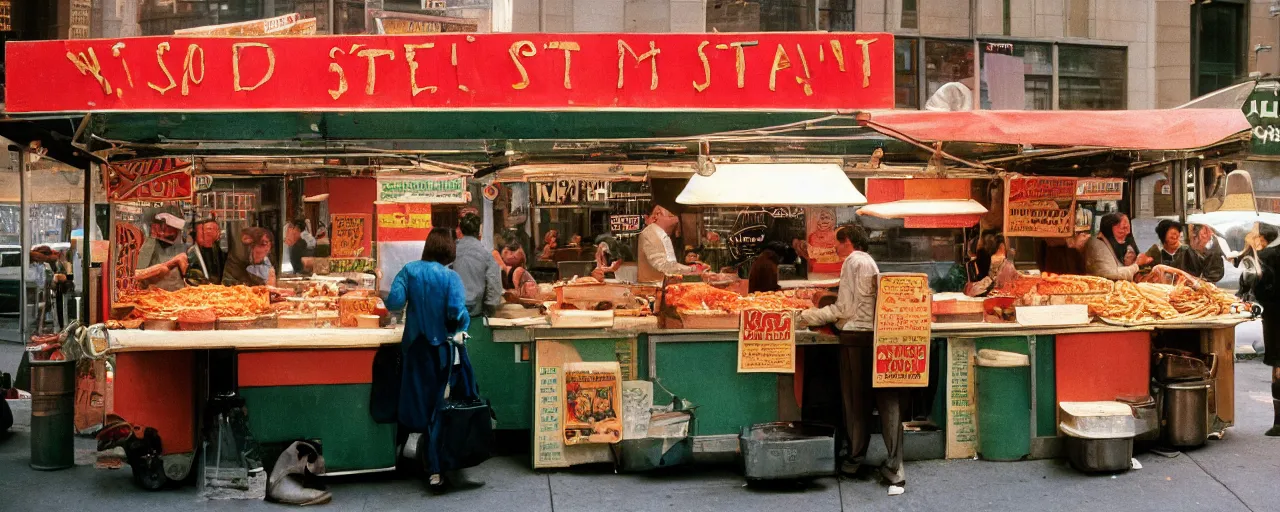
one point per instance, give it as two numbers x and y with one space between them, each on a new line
1004 405
52 414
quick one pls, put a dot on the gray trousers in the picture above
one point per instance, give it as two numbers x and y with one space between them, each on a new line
856 360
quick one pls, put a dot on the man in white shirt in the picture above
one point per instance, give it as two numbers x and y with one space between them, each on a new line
657 254
853 315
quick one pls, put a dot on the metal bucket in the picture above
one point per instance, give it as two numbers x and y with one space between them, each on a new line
52 414
1186 413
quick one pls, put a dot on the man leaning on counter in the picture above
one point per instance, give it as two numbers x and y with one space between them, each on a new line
657 254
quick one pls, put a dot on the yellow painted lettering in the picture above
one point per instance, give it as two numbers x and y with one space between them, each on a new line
651 56
706 68
780 62
740 60
518 49
410 56
567 47
236 49
160 49
189 69
89 66
866 60
336 68
837 51
372 79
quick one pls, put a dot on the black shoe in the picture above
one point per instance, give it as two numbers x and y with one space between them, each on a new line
1273 431
437 488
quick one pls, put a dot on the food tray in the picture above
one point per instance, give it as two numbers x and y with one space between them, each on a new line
576 318
709 320
236 323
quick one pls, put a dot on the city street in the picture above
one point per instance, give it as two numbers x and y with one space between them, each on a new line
1235 474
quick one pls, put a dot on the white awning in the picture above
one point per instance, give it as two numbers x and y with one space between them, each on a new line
772 185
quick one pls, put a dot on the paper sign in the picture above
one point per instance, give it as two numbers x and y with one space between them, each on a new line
548 450
422 190
151 179
347 235
820 230
625 223
902 332
343 265
570 191
637 408
405 23
766 342
1099 189
288 25
124 263
592 410
351 307
403 222
962 412
1039 207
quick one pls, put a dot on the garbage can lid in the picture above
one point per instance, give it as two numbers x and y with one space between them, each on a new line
1082 434
1002 359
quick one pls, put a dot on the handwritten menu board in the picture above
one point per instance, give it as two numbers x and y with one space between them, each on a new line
625 223
903 320
403 222
962 412
548 449
347 235
766 342
150 179
349 308
1039 207
1100 189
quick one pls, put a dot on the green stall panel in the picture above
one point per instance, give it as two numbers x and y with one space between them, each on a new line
1045 387
706 373
504 380
336 414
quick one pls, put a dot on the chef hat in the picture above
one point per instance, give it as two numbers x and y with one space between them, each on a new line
171 220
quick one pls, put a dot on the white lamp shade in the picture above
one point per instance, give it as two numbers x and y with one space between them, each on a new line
772 185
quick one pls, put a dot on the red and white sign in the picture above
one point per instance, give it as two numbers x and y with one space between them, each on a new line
1099 189
903 326
403 222
152 179
766 342
775 71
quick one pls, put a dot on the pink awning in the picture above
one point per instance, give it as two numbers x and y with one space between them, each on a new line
1121 129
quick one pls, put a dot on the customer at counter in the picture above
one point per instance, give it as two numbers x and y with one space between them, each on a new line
474 263
1267 293
657 254
297 246
251 266
763 276
517 282
1113 253
853 315
1198 260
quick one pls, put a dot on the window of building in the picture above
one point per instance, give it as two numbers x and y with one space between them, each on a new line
945 62
779 15
1218 39
1077 19
906 80
909 16
836 15
1091 78
1017 76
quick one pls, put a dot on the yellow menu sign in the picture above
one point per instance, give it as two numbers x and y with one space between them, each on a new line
903 322
766 342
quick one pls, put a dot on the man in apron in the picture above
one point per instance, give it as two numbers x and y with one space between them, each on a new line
206 257
163 258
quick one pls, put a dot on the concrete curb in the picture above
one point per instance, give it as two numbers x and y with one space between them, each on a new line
21 415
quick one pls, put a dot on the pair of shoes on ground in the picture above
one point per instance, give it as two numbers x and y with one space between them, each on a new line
1274 431
851 469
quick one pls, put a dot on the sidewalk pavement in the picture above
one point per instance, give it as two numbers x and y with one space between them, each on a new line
1236 474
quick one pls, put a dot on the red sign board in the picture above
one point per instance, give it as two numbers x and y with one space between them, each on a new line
902 330
151 179
403 222
777 71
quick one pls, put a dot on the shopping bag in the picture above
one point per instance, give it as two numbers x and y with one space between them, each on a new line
384 393
466 434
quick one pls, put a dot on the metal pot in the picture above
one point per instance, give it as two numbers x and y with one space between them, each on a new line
1186 413
1100 455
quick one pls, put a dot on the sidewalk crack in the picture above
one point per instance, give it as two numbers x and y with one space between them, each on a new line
1220 482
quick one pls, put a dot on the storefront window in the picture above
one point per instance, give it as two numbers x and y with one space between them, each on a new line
835 15
1218 45
1017 76
946 62
779 15
1091 78
909 16
906 55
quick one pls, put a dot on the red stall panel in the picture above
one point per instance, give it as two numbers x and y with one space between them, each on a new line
1103 366
155 389
305 367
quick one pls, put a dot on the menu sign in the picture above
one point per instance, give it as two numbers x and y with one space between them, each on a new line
902 331
962 417
124 263
422 190
151 179
288 25
625 223
403 222
1039 207
568 192
406 23
1099 189
548 443
348 237
349 308
766 342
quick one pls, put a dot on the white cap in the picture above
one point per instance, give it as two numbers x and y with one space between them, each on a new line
172 220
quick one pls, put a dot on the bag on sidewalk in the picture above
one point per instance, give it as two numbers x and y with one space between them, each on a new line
466 421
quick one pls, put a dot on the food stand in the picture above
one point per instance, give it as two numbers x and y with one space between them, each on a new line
602 128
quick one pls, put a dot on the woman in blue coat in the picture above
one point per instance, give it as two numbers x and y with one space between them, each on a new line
435 328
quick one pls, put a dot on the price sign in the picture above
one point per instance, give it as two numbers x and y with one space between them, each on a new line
766 342
902 331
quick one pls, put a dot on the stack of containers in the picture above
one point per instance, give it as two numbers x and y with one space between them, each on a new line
1099 435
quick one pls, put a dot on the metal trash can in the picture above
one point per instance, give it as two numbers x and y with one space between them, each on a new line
1186 413
787 451
1004 405
52 414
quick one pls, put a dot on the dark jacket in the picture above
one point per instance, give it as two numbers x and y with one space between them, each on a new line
1207 266
1267 290
764 274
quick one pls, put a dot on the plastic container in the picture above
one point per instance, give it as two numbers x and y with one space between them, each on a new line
1004 405
787 450
1146 417
649 453
1098 420
52 414
1186 413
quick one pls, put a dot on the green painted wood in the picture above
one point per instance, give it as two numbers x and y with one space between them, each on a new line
507 383
337 415
706 374
1046 388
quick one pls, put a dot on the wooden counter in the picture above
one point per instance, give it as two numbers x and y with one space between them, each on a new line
133 340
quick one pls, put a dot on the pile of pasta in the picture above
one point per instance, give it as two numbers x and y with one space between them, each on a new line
1055 284
1131 303
702 298
223 301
